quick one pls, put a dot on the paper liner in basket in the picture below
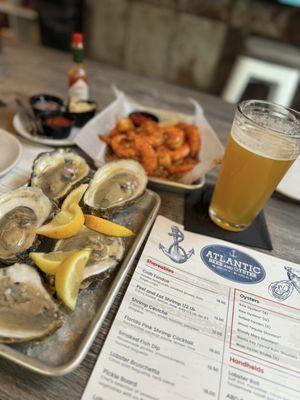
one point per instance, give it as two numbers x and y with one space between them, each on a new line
88 138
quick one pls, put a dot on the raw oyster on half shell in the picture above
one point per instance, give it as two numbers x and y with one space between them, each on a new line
21 212
116 185
27 311
58 171
107 251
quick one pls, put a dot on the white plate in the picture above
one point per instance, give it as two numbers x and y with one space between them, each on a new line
21 129
11 150
290 184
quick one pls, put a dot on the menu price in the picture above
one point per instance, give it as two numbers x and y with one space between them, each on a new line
183 331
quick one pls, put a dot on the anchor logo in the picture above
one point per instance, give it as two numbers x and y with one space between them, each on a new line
175 252
233 253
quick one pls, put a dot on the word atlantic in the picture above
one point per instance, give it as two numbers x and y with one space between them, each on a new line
232 264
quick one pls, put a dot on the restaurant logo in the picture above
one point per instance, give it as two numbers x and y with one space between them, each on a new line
232 264
175 251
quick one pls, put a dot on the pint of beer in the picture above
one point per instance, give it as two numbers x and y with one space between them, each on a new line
263 144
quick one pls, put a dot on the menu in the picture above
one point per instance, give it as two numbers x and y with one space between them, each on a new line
203 319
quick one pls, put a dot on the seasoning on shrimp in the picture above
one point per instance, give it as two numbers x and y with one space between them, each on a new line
193 137
165 151
174 137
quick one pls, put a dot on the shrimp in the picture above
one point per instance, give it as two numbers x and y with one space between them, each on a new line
192 136
124 124
183 167
113 132
123 146
174 137
146 155
105 138
152 132
163 157
182 152
163 151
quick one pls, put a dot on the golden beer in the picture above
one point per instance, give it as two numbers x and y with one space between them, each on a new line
255 161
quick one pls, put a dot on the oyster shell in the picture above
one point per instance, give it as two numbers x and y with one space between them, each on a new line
107 251
116 185
21 212
57 172
27 311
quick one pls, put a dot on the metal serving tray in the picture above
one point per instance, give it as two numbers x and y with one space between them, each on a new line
60 353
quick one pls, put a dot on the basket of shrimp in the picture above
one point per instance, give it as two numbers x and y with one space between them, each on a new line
175 149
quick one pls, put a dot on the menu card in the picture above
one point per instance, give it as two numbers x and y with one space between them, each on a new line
203 319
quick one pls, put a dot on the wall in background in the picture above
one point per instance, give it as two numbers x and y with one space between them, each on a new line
190 42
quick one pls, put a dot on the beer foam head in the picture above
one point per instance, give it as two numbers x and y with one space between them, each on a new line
267 129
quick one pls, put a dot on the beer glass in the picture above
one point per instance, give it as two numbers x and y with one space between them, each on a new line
263 144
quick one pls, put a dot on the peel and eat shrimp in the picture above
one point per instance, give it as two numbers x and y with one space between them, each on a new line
192 136
130 145
180 153
123 146
174 145
146 155
177 165
174 137
152 132
182 168
163 151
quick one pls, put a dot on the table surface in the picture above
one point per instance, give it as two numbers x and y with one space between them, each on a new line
30 70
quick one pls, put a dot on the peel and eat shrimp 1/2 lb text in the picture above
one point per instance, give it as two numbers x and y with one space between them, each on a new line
165 151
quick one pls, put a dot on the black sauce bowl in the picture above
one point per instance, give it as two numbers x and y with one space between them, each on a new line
57 131
81 118
135 117
44 98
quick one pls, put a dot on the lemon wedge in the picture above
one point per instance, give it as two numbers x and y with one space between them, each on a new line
69 276
75 196
49 262
65 224
107 227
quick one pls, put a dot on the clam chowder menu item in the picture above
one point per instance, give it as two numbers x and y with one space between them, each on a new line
203 319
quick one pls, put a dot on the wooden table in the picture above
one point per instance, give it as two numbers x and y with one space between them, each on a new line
29 70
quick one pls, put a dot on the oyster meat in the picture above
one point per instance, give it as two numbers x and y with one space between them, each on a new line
107 251
116 185
21 212
58 171
27 311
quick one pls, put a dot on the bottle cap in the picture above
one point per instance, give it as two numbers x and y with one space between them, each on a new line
77 37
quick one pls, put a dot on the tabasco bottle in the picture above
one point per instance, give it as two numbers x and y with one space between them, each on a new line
78 79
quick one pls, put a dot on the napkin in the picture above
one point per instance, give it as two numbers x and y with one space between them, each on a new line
196 219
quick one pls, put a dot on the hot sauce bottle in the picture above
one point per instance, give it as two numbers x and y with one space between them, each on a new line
78 79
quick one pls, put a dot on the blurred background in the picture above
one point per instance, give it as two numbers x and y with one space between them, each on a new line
235 49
